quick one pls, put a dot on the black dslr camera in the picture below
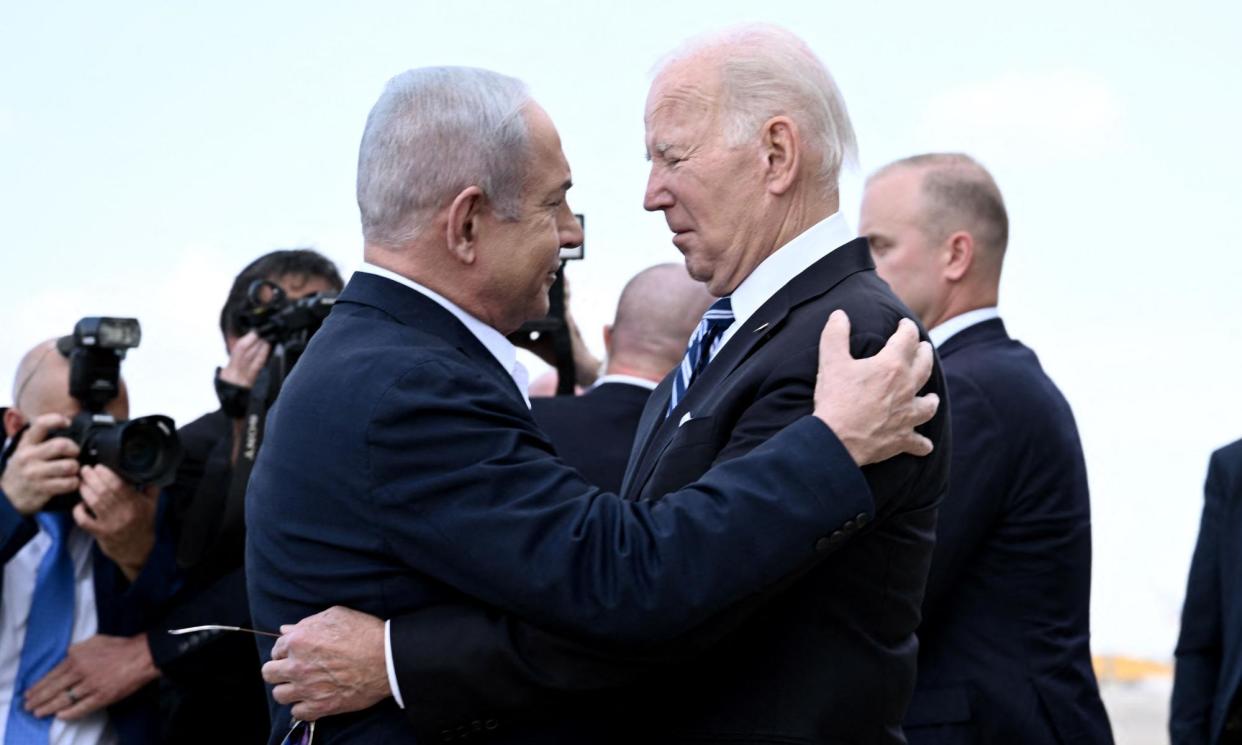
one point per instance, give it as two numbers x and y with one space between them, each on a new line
279 320
141 451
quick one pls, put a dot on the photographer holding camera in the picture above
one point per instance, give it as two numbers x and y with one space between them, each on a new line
86 573
273 307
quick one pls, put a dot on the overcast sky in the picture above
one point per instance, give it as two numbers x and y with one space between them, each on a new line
149 150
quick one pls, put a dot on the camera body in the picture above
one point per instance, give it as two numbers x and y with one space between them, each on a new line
141 451
279 320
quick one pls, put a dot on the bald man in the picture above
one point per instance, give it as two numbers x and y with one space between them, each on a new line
658 310
1004 652
88 578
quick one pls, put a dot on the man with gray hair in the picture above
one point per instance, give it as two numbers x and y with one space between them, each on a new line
1004 647
401 471
746 133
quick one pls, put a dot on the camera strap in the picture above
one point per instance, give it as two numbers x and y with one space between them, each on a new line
248 449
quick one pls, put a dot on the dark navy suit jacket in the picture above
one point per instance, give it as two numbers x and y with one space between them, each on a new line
825 657
123 608
595 431
1004 646
1205 706
401 471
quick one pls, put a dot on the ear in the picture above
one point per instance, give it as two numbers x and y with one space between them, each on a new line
464 223
782 150
960 256
13 422
608 339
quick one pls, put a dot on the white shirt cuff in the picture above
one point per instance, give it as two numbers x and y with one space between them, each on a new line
392 670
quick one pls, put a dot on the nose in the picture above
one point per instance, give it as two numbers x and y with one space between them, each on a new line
657 196
569 230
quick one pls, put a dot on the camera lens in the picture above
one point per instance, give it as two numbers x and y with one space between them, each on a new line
140 448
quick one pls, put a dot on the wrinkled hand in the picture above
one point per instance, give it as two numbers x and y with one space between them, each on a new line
329 663
40 468
246 361
124 521
871 404
100 671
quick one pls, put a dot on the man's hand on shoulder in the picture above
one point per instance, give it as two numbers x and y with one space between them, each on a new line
40 468
871 404
329 663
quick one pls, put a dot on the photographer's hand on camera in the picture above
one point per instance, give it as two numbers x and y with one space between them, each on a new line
246 361
123 523
40 468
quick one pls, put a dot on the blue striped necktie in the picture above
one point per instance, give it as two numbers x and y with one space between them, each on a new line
48 629
703 345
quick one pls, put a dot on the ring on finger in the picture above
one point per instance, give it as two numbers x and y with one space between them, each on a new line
73 697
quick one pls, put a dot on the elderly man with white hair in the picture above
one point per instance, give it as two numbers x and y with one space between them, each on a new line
402 474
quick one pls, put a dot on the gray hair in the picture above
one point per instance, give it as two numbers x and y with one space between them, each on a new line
767 71
960 193
433 132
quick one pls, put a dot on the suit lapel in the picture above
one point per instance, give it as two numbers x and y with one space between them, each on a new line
655 431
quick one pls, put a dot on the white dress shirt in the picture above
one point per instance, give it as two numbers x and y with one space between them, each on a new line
504 352
958 323
627 379
783 265
19 584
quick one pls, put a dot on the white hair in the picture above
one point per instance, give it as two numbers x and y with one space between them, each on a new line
433 132
767 71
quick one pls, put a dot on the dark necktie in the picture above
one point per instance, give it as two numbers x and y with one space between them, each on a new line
703 343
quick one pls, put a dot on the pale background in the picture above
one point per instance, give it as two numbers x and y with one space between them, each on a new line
149 150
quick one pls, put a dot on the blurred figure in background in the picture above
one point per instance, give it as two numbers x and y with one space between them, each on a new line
78 587
656 313
1206 707
1004 646
212 691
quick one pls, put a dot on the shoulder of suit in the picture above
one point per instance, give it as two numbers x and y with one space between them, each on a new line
1229 460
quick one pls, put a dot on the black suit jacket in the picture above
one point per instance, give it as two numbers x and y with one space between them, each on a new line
209 672
1208 676
595 431
826 657
401 471
1005 643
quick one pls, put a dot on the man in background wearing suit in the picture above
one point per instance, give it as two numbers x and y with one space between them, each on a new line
658 310
746 133
1206 709
401 470
78 586
1004 653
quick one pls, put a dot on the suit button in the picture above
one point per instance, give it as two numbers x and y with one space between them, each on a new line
446 735
849 526
861 518
491 724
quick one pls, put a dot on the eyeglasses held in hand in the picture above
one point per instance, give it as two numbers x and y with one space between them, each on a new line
301 733
218 627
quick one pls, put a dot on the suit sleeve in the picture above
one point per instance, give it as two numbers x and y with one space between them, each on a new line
1198 652
571 558
456 664
15 530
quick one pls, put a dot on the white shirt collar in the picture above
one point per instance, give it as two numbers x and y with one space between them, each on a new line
783 265
947 329
494 341
627 379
